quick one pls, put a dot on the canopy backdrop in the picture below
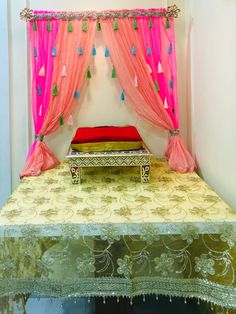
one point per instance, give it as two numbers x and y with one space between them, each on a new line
142 50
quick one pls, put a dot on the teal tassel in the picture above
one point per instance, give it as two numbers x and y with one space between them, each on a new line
35 52
156 86
39 90
54 90
133 51
94 51
49 27
171 83
150 24
89 73
122 96
170 49
135 25
115 25
107 53
84 27
70 27
80 51
76 94
61 120
35 26
149 51
113 73
167 23
54 51
98 26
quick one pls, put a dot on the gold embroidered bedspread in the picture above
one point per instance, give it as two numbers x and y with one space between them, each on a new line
114 236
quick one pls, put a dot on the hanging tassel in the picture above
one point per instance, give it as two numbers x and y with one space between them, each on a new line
64 71
39 90
135 81
156 86
122 96
98 25
149 51
54 90
70 120
61 120
149 68
115 25
54 51
42 71
94 51
35 52
150 24
76 94
166 104
170 49
135 24
113 73
171 83
70 27
159 68
49 27
133 51
89 73
167 23
40 110
35 26
84 27
80 51
107 53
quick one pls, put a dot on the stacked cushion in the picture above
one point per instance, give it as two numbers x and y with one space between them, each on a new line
106 138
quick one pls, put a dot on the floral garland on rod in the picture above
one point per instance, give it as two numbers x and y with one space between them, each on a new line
28 14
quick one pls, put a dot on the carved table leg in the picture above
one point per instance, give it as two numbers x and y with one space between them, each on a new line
145 173
76 174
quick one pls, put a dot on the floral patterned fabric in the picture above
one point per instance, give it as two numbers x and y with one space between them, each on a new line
114 236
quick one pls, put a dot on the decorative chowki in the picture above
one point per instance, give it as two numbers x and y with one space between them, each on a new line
78 160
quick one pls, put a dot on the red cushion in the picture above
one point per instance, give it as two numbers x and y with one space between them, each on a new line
106 134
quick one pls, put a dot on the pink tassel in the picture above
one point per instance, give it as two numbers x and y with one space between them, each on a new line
135 81
159 69
40 110
42 71
64 71
166 104
149 68
70 120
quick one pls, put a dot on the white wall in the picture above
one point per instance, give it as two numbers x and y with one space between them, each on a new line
213 55
100 103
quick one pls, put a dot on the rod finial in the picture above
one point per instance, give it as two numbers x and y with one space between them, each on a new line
172 11
26 14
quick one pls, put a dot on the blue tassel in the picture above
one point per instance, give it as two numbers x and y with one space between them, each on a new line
54 51
107 53
133 51
35 52
171 83
149 51
170 49
94 51
122 96
76 94
80 51
39 90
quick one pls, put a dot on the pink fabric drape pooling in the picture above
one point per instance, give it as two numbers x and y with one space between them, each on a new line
66 69
133 73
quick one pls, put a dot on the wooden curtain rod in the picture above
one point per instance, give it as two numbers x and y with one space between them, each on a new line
28 14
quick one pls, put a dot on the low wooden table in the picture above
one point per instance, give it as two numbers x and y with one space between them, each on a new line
78 160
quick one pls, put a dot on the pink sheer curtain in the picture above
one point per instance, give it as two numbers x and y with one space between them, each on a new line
133 73
68 75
